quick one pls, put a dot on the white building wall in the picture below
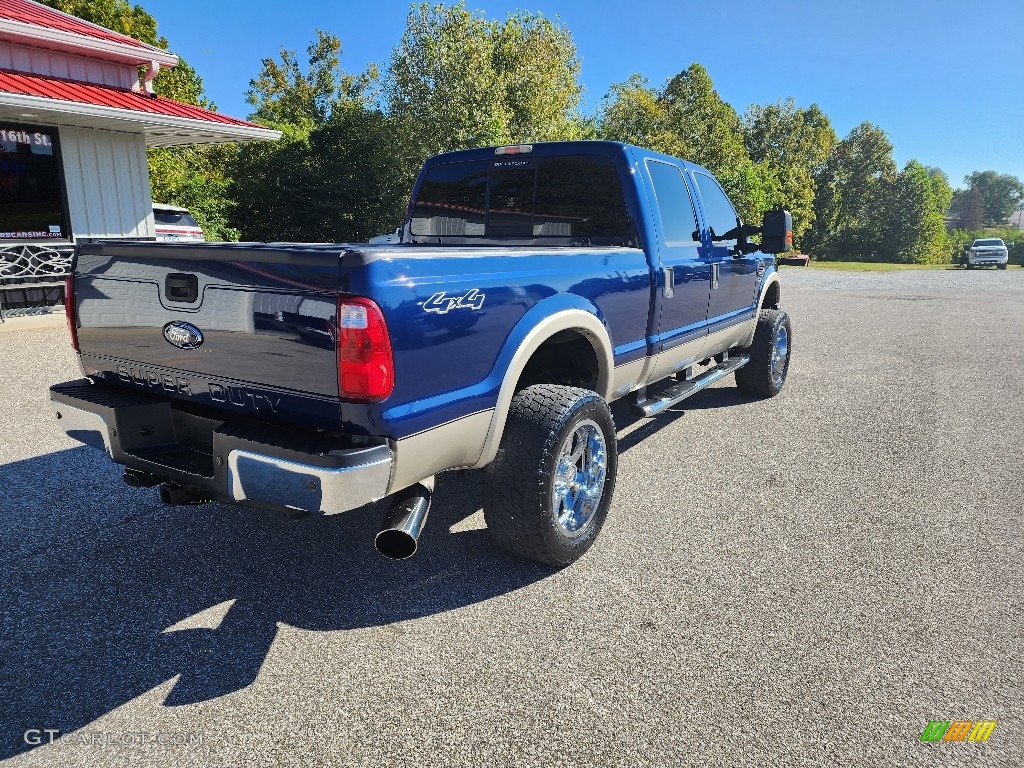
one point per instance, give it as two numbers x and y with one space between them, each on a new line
107 183
40 61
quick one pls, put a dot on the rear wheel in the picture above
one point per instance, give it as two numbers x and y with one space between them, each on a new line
766 372
547 492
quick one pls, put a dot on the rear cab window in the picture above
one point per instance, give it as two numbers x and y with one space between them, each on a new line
564 199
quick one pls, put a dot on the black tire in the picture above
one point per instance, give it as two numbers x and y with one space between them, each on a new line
969 265
762 375
1001 266
520 484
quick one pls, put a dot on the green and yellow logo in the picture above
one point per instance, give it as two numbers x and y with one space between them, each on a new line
958 730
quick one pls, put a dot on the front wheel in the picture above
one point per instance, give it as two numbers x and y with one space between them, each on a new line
766 372
1001 266
547 492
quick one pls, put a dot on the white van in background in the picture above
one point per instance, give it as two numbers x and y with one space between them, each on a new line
175 223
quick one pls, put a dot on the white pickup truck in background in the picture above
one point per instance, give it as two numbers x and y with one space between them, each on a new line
985 253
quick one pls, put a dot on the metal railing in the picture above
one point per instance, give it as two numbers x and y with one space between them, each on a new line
35 268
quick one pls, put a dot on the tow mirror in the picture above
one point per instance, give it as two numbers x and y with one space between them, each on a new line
777 232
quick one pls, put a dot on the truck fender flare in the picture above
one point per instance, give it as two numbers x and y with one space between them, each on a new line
576 318
772 278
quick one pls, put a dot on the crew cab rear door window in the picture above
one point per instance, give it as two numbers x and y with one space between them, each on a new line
577 197
678 220
719 214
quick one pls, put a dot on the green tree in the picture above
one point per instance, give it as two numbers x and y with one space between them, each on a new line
906 218
196 177
688 119
633 112
707 129
793 144
709 132
287 98
969 208
540 77
848 189
459 80
342 170
942 191
190 176
1000 194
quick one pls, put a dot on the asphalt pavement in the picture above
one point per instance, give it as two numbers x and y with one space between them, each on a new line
802 581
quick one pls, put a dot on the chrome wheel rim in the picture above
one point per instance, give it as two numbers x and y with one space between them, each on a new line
780 356
580 472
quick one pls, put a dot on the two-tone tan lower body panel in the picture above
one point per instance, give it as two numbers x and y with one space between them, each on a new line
688 353
448 446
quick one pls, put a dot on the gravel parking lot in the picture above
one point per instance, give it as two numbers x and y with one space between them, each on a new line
804 581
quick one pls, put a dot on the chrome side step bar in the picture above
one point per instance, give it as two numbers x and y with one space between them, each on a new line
684 389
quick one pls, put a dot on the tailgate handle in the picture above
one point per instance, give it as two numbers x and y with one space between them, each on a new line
182 287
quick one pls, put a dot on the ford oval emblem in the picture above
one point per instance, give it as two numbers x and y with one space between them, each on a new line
183 335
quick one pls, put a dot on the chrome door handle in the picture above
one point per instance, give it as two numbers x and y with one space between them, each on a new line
670 282
714 275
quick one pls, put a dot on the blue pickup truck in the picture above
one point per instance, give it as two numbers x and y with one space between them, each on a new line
532 286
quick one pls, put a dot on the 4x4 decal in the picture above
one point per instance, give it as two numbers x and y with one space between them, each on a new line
443 304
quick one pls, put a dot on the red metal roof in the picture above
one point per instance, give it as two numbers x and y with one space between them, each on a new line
41 16
105 96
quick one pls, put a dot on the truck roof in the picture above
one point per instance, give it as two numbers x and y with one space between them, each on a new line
549 148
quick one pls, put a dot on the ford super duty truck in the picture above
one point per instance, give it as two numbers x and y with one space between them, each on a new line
532 286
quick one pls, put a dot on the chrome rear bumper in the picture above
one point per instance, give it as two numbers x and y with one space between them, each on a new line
264 466
270 481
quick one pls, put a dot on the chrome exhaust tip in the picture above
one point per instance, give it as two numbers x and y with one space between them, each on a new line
399 538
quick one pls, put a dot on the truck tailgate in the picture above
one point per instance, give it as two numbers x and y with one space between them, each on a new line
240 327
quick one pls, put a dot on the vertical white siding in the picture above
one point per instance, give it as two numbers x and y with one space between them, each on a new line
59 66
40 61
21 58
107 183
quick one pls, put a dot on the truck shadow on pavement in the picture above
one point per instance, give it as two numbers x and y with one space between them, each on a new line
107 594
95 575
718 397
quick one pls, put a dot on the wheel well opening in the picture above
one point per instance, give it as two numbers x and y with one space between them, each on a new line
771 297
567 358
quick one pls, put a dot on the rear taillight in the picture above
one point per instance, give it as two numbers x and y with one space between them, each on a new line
366 369
69 310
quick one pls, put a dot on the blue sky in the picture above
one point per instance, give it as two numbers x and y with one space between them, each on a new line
942 78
